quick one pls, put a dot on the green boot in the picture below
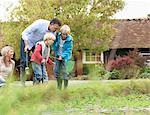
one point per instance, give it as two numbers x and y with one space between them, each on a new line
65 83
59 83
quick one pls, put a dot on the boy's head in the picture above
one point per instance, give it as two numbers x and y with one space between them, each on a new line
65 30
49 38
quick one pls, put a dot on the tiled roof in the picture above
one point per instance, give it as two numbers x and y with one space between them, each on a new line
133 33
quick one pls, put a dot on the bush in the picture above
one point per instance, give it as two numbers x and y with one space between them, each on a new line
125 65
129 72
145 69
138 59
119 63
144 75
115 74
94 71
144 72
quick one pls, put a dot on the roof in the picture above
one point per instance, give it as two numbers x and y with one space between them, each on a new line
132 33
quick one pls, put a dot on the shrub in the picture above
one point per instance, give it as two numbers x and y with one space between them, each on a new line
145 69
115 74
125 65
129 72
94 71
144 72
119 63
144 75
138 59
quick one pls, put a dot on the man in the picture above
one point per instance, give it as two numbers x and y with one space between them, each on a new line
33 34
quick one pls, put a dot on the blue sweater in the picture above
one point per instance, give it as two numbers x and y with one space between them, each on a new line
66 49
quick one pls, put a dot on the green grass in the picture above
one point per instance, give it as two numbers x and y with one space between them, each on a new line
91 97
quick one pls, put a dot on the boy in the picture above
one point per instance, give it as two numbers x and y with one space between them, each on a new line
40 57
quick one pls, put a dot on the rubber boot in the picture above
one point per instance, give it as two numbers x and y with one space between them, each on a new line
65 83
59 83
36 81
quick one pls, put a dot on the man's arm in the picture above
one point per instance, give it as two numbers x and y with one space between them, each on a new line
30 29
26 45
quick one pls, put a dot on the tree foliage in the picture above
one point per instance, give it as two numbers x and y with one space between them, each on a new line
90 20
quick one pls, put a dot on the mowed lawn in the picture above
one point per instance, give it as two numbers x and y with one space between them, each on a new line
130 97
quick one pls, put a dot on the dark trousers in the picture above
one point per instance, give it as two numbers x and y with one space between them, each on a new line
61 73
24 61
23 54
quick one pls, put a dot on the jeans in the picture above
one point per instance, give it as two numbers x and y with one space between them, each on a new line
23 55
2 81
60 69
40 71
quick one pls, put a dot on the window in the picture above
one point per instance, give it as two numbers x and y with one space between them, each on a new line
92 58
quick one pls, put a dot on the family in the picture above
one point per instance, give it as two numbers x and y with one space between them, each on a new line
42 37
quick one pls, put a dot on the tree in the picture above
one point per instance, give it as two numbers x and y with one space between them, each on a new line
90 20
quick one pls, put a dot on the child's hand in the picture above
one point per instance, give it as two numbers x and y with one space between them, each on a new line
43 61
53 63
52 53
60 58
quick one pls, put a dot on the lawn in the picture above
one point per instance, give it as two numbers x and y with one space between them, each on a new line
131 97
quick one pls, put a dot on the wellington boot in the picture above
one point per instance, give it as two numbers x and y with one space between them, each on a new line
65 84
59 83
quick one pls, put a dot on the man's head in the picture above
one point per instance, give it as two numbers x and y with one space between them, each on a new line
49 38
65 30
54 25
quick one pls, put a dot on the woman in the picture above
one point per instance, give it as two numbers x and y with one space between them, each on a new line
62 48
6 63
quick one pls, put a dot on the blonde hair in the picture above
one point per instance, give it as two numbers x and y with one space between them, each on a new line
49 35
65 29
5 50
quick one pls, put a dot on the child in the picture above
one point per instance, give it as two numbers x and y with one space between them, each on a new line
40 57
62 48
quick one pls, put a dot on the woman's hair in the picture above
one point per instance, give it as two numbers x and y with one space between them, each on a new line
65 29
5 50
49 35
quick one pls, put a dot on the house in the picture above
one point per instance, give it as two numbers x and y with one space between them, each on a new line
130 34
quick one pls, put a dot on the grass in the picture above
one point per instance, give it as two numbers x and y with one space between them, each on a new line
90 97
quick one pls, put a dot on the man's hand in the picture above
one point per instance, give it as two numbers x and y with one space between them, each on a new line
26 45
26 48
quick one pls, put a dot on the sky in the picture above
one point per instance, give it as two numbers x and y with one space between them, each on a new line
4 4
133 9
